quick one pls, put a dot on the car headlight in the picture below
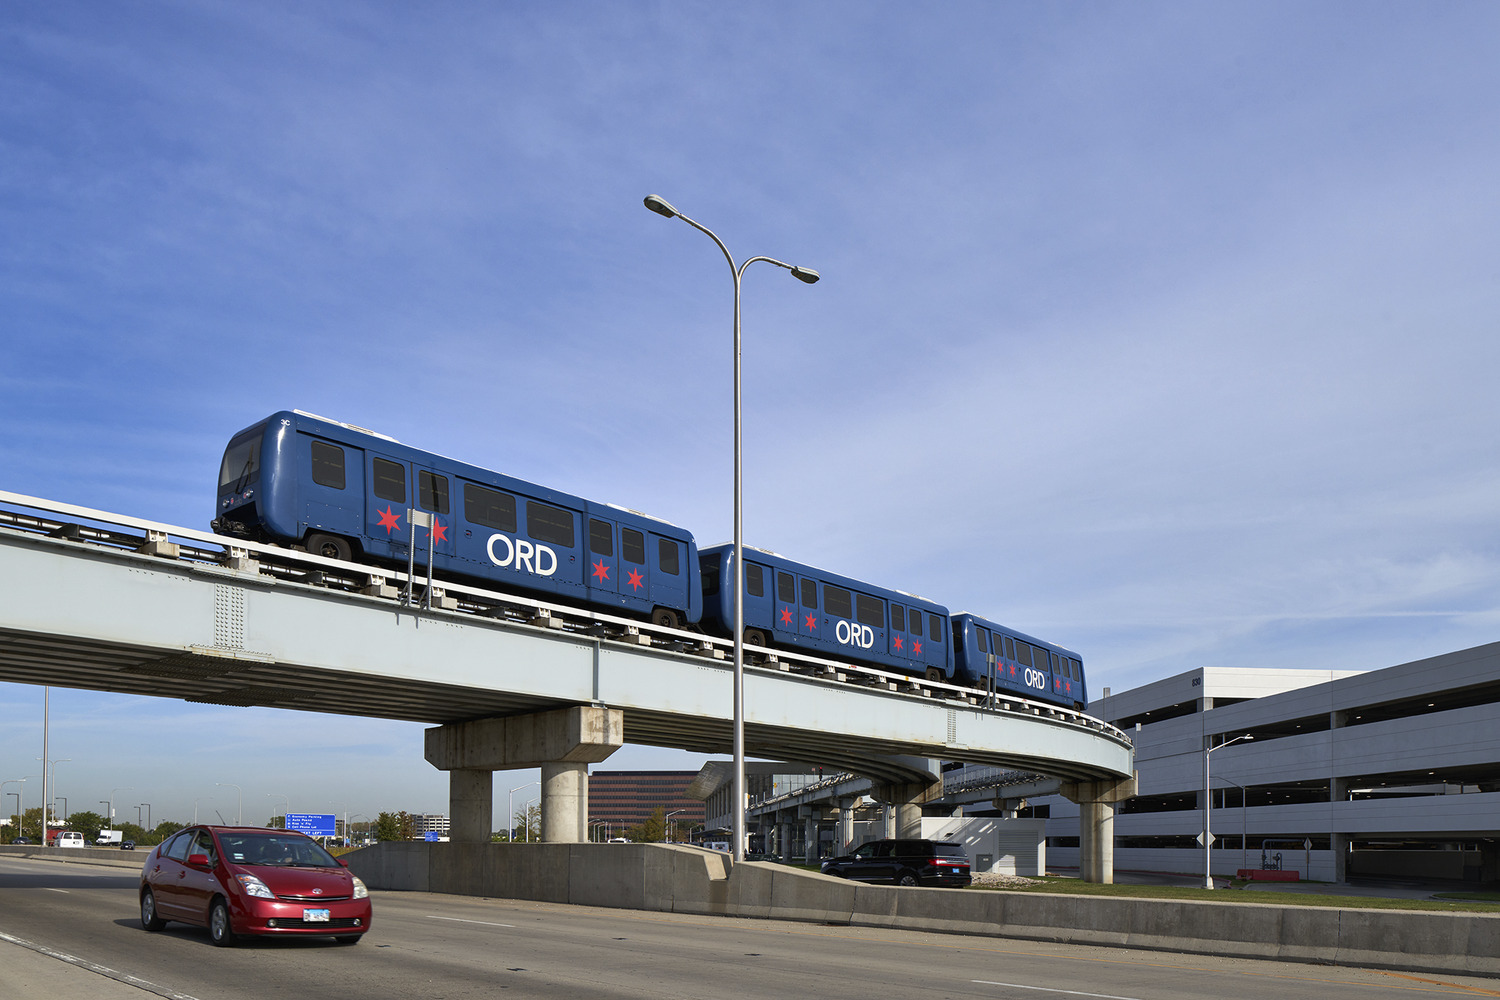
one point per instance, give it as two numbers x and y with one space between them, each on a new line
254 887
360 892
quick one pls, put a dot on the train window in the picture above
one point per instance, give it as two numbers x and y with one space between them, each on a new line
980 636
755 580
1077 669
935 633
710 570
547 523
916 622
836 601
241 463
601 538
1023 653
898 618
432 491
1041 658
871 610
490 508
1010 649
390 480
809 593
633 546
666 550
786 588
328 465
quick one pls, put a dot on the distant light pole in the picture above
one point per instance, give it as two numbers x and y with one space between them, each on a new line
52 782
64 800
286 806
195 807
146 806
1208 805
661 207
668 831
510 828
20 813
239 814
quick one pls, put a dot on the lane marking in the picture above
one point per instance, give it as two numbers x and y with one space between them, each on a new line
97 969
461 920
50 889
1044 989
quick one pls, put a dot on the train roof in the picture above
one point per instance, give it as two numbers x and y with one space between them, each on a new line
1017 633
776 559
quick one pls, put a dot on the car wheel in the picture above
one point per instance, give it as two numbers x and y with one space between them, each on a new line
907 878
219 928
149 919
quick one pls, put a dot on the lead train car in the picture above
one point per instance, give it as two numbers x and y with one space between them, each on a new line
988 655
346 492
793 605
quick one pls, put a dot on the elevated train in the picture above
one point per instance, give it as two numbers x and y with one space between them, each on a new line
345 492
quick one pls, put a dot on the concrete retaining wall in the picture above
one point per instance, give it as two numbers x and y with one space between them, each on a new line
682 879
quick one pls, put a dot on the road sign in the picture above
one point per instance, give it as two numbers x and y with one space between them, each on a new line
312 824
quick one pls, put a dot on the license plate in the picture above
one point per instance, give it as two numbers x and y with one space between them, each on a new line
315 916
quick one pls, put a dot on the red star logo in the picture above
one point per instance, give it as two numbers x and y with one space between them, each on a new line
916 648
786 616
439 533
601 571
635 579
812 621
897 640
1013 670
389 519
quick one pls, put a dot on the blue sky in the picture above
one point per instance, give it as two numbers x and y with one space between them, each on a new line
1165 331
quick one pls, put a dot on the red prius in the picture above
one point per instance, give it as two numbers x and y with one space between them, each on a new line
238 880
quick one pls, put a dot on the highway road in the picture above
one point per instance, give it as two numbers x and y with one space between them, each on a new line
70 930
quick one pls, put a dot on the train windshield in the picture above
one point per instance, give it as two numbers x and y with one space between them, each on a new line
241 464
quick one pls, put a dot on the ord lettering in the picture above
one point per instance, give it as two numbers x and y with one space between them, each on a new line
523 553
1035 678
851 634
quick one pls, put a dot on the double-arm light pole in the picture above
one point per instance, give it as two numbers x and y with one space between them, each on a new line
661 207
1208 805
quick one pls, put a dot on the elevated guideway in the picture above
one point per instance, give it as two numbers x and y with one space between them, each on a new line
107 602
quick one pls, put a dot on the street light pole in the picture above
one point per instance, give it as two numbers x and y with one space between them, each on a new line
661 207
239 813
510 821
1208 805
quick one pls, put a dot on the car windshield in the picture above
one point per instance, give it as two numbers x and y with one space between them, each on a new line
275 849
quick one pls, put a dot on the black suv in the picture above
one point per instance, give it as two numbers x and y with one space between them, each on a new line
904 862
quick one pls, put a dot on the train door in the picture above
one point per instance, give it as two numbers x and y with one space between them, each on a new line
634 573
604 568
387 498
785 620
434 497
331 482
935 649
898 644
807 613
669 573
758 597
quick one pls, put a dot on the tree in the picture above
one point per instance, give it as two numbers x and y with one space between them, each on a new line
653 830
387 827
88 823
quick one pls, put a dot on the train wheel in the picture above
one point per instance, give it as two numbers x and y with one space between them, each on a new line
666 618
755 637
935 675
330 546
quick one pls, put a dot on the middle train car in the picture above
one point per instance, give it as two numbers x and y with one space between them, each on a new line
790 604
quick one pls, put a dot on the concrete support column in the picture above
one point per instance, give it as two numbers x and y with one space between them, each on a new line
562 743
1096 824
565 803
810 834
1340 844
904 801
846 827
471 805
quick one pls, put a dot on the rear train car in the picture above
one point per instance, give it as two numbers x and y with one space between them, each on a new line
792 605
988 655
347 493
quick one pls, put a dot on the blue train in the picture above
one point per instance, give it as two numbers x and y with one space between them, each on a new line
793 605
345 492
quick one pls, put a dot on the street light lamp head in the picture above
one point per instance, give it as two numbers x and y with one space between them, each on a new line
660 206
806 274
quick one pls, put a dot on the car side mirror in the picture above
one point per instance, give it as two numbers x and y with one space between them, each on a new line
201 860
342 862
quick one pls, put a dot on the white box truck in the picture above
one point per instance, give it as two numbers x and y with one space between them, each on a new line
109 838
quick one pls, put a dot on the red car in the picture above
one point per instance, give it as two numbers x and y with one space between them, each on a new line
238 880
